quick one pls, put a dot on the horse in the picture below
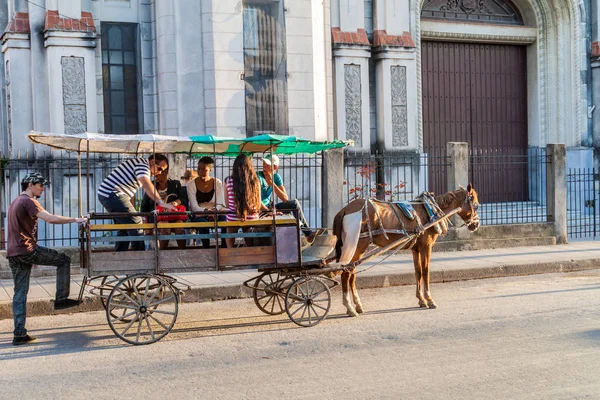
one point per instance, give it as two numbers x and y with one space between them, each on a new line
382 223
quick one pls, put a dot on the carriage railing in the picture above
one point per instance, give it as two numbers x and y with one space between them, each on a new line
279 236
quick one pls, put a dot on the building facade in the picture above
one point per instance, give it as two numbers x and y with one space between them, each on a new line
400 75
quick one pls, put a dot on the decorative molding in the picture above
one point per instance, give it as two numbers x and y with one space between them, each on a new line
69 39
73 88
483 11
399 106
15 41
353 103
381 38
460 36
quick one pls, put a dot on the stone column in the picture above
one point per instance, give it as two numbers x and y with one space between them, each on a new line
70 57
351 77
333 185
458 171
556 189
396 76
19 100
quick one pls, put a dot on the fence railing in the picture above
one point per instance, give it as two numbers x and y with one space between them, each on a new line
393 176
582 203
511 185
301 174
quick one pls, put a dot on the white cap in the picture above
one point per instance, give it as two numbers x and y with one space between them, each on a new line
268 158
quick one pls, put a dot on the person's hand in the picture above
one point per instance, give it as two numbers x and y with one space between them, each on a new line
168 206
82 220
268 177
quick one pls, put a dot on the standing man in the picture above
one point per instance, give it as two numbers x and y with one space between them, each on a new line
23 251
118 188
271 181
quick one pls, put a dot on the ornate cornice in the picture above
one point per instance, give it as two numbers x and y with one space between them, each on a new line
477 37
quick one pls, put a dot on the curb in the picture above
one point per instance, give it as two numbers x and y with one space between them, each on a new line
237 291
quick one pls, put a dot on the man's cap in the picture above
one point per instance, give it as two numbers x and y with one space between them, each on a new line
188 174
35 178
271 160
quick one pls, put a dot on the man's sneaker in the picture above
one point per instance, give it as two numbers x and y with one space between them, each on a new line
19 340
67 303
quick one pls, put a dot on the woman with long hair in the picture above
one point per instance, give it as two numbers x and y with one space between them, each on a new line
242 193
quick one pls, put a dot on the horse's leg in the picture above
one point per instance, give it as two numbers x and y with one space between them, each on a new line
357 302
346 294
417 261
426 291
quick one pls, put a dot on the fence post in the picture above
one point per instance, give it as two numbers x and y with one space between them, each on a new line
556 189
333 185
458 171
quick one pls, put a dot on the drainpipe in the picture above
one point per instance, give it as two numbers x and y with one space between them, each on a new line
589 140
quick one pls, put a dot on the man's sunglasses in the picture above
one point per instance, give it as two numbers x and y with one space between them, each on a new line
161 169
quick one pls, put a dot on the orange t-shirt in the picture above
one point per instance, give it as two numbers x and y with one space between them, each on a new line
22 226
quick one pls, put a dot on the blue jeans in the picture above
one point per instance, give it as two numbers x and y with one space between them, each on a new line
20 267
206 242
122 204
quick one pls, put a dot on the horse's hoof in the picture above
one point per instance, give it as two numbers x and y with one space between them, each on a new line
352 313
431 304
422 304
359 309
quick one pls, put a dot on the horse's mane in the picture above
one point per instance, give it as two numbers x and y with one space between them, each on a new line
446 199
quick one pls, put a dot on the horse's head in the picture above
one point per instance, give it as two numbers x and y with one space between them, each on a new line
468 211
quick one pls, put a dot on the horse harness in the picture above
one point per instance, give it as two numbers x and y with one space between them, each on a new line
431 206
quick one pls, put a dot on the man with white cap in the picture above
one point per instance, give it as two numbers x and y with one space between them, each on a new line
270 181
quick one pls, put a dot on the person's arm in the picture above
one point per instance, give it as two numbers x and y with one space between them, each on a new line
191 194
59 219
148 187
281 192
219 194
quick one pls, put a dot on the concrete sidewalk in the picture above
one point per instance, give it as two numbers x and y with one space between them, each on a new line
393 271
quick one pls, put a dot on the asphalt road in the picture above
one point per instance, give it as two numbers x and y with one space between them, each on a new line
535 337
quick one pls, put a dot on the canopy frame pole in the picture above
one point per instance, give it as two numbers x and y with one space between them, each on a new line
79 186
274 210
156 242
216 216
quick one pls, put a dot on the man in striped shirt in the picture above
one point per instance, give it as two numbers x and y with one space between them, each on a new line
118 188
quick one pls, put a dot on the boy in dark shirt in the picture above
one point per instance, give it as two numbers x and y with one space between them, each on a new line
23 251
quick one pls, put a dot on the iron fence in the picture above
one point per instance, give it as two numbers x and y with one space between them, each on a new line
511 185
301 174
393 176
582 203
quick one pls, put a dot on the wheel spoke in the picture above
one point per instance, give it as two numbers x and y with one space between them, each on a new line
150 329
137 336
298 309
121 318
159 322
322 308
318 293
127 296
155 293
127 327
160 301
147 289
309 315
315 312
163 312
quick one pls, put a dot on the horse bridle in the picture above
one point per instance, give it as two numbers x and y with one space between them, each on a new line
473 218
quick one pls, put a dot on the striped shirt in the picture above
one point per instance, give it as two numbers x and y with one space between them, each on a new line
124 178
230 201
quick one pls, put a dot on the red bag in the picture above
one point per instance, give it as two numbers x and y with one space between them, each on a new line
171 218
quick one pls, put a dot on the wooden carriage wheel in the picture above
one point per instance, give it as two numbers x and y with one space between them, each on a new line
269 292
142 309
307 301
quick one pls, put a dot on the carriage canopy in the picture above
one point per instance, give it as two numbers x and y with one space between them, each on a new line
193 145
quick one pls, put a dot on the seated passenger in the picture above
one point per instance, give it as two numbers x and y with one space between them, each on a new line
242 193
171 192
188 175
205 193
270 181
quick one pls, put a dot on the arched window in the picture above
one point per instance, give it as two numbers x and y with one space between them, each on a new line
494 11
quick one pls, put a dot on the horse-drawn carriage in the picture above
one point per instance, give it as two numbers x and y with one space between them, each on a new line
139 294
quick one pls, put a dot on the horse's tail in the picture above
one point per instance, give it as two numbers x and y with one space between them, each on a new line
338 226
